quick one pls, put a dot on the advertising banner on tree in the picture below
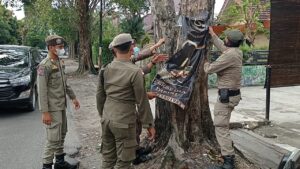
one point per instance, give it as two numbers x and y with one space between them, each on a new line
175 81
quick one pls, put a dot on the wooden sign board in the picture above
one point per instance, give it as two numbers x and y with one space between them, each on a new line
284 56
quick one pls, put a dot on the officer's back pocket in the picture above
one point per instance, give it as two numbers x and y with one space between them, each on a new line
53 132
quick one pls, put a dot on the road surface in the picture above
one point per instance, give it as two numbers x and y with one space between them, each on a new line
21 139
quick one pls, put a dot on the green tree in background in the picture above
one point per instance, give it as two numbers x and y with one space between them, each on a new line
248 12
9 33
109 32
134 26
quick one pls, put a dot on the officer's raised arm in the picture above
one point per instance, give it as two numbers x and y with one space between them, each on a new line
217 41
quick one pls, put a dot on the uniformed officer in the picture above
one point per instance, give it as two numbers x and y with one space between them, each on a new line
118 93
141 152
53 88
228 68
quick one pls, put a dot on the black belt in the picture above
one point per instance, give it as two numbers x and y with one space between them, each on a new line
232 92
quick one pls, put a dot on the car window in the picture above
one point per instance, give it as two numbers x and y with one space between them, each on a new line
13 58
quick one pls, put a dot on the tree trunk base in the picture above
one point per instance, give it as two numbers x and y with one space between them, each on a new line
199 156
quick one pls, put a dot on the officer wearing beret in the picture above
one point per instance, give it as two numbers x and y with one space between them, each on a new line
53 88
117 96
228 68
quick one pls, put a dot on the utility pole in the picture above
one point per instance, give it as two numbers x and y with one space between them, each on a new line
102 4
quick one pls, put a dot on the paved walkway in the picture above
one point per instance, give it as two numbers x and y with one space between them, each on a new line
284 111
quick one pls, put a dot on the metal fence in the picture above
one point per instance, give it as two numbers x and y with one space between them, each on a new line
255 57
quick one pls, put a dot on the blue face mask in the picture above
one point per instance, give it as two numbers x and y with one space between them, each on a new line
136 51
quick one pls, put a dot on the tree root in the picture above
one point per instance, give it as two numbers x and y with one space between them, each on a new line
199 156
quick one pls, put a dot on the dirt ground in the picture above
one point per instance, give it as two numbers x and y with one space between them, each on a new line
87 122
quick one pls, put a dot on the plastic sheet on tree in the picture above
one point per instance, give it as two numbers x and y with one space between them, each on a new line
284 54
175 81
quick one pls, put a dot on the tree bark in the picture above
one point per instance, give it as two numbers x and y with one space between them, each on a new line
85 60
180 131
72 50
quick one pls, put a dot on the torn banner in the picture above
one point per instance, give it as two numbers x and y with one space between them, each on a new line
174 82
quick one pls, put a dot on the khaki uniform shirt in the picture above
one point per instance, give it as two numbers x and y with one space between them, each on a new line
123 90
228 66
52 86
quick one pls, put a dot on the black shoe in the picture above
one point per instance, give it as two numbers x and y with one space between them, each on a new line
47 166
60 163
142 159
143 151
228 162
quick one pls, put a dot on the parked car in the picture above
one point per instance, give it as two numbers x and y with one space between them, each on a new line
18 76
43 54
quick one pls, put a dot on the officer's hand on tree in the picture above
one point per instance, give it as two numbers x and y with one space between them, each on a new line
159 58
160 42
46 117
76 104
151 95
211 31
151 133
157 45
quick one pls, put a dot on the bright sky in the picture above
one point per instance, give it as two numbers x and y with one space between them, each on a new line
218 5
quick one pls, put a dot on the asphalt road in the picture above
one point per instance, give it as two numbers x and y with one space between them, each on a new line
22 138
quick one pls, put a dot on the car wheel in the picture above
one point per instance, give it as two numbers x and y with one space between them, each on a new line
32 102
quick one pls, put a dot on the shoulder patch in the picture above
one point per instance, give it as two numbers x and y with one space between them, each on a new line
41 71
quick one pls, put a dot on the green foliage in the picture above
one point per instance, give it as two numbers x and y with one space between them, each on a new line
9 33
52 19
132 7
36 37
248 12
107 55
109 32
149 78
146 39
134 26
63 22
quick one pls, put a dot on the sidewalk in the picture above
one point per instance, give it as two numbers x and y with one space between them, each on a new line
284 112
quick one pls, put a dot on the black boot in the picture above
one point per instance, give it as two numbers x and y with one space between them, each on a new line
60 163
228 162
142 155
47 166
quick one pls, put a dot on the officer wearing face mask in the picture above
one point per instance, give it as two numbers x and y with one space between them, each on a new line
53 88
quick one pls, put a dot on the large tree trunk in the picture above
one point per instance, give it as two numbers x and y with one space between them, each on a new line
190 130
85 60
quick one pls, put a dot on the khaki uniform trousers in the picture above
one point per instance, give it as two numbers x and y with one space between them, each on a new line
119 145
222 114
56 133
